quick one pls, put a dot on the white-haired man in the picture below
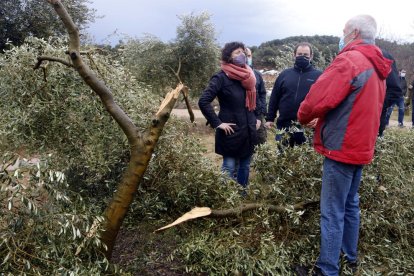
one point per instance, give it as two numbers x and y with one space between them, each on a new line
346 100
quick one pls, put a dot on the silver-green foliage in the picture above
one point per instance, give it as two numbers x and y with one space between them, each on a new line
56 112
387 209
265 243
45 229
53 113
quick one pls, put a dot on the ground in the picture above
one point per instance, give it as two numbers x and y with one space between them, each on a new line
205 132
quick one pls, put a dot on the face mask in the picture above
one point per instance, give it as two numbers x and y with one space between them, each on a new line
342 44
250 62
239 60
402 75
302 62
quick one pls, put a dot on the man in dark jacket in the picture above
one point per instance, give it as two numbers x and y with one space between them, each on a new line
261 105
393 95
289 90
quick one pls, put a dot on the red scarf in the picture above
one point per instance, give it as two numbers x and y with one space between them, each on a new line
247 78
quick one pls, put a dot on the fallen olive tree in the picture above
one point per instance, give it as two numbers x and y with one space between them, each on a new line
141 143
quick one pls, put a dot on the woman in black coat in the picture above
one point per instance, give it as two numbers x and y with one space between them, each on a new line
236 123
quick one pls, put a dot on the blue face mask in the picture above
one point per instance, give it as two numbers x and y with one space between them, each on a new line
250 62
239 60
342 44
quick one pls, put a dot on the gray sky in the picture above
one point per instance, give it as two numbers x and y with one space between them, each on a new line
250 21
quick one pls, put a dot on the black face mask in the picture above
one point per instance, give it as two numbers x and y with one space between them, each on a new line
302 62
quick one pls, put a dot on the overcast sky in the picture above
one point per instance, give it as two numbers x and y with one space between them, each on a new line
250 21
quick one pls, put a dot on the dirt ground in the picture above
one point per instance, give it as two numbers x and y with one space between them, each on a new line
205 132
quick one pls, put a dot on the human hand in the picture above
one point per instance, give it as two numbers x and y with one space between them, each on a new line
312 124
227 128
269 124
258 124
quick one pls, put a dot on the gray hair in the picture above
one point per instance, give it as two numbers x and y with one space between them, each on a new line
365 24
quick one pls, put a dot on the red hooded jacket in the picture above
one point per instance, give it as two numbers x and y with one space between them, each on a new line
347 100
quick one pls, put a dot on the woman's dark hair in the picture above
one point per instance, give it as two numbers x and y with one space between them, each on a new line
228 49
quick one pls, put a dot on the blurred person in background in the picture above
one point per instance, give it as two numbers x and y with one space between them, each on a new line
411 101
400 101
393 95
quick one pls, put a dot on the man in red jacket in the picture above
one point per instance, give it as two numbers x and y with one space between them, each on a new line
346 102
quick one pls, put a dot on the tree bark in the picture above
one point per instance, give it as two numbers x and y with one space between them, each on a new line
254 206
141 145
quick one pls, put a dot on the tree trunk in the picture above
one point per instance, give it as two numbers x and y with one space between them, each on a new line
141 145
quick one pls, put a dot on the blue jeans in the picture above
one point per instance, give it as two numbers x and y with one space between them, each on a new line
237 169
400 103
339 214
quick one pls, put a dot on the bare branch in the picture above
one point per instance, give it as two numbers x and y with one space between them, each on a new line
254 206
60 60
187 103
177 73
184 90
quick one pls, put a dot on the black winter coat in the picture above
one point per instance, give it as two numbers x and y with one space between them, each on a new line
403 84
232 100
261 106
393 91
289 90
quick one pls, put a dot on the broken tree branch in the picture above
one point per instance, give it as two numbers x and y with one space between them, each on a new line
255 206
199 212
60 60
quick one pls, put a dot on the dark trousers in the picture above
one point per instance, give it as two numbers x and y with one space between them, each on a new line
412 110
383 121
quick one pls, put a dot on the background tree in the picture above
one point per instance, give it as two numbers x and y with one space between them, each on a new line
22 18
275 54
195 47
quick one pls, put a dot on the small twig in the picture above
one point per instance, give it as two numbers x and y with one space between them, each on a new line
177 73
44 73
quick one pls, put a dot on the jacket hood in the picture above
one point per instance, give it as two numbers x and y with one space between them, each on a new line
381 64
